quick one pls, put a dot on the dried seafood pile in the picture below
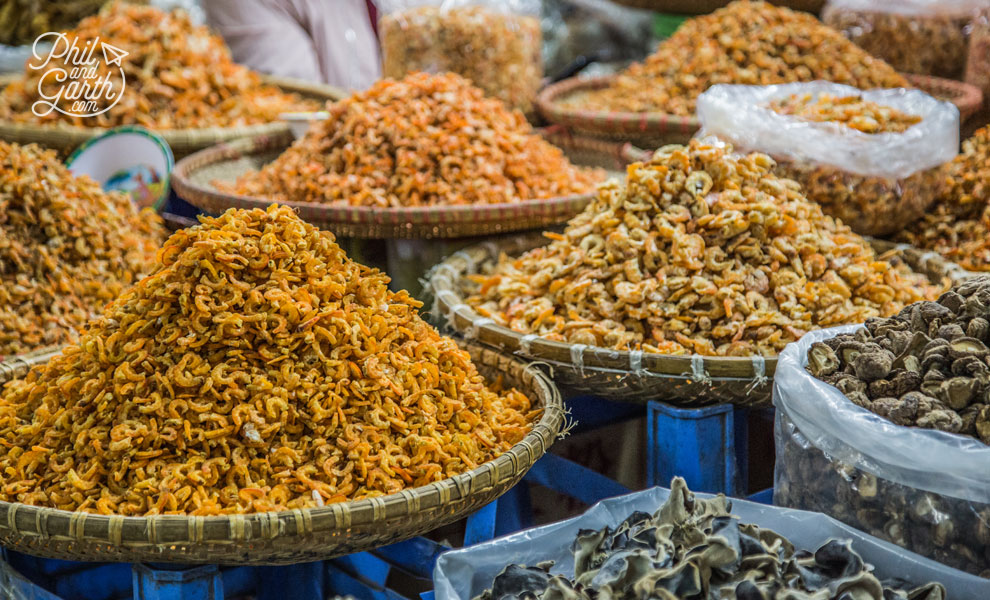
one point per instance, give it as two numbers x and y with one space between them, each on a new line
851 111
925 367
700 251
697 549
66 248
424 140
21 21
177 76
496 50
256 369
958 225
745 42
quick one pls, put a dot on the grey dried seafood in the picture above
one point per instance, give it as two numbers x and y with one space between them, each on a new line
693 549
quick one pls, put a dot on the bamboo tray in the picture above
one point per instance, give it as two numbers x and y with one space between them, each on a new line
182 141
687 381
193 176
654 129
291 536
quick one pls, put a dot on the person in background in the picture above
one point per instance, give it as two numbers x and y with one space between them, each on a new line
330 41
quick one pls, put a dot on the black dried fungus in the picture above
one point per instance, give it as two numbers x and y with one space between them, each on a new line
693 549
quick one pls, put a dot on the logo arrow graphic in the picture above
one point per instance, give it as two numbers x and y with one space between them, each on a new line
112 54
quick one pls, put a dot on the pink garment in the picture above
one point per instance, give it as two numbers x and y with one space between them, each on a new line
318 40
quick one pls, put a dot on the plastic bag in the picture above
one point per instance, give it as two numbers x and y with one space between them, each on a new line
925 490
463 574
497 45
928 37
876 183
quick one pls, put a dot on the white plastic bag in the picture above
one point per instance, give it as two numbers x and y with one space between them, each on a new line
497 45
924 489
876 183
463 574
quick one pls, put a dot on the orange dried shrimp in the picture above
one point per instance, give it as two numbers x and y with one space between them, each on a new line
747 43
852 111
958 224
66 248
256 369
178 76
700 251
422 140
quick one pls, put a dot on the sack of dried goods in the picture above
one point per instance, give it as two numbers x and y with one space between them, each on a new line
886 427
958 224
175 76
675 545
66 248
495 44
699 251
423 140
928 37
855 153
751 43
256 369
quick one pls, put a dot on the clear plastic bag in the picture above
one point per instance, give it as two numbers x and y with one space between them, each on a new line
875 182
463 574
922 489
927 37
497 45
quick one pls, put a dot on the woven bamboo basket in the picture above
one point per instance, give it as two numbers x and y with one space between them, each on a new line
701 7
687 381
291 536
193 176
182 141
654 129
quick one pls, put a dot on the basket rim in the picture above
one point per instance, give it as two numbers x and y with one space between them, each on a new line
123 532
965 96
468 322
414 220
68 136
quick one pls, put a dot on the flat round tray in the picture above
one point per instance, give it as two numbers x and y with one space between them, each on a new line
182 141
193 176
654 129
291 536
687 381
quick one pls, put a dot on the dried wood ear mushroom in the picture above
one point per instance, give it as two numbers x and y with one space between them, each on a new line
497 50
699 251
66 248
745 42
694 549
927 366
256 369
958 224
423 140
177 75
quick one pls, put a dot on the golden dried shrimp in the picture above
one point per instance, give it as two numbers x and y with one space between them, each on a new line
422 140
852 111
699 252
256 369
66 248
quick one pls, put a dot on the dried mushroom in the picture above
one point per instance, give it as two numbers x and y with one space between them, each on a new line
66 248
256 369
178 75
693 549
930 373
700 251
746 42
423 140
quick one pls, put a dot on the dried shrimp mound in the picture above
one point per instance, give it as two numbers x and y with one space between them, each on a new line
256 369
67 248
177 75
422 140
745 42
958 224
700 251
852 111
